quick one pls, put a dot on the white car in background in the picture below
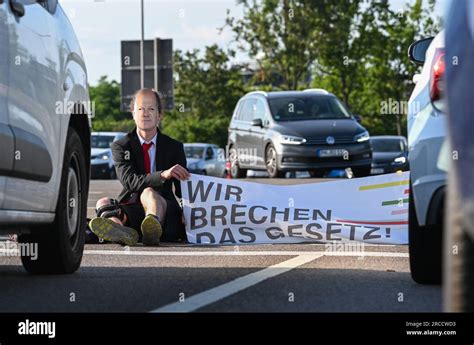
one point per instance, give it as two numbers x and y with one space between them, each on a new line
102 164
44 135
428 154
205 159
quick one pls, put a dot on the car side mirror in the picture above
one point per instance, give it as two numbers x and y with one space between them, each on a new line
257 122
417 50
358 118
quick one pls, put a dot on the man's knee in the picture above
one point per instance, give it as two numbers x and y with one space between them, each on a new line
150 195
102 202
147 195
109 208
150 199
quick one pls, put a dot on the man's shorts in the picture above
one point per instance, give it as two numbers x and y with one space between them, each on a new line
173 227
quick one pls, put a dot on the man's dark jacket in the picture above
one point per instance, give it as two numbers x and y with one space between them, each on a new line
129 163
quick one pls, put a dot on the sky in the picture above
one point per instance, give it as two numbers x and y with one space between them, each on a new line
192 24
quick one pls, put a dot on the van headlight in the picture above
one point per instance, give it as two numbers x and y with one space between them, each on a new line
105 156
364 136
399 160
290 140
193 166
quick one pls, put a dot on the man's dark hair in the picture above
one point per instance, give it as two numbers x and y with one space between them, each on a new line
159 99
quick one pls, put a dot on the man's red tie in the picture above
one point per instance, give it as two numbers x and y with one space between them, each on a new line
146 156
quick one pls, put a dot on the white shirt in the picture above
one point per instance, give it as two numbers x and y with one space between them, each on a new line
151 151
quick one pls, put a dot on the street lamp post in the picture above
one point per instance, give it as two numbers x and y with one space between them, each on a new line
142 55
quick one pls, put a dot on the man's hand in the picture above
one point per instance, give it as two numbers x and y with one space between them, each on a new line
177 172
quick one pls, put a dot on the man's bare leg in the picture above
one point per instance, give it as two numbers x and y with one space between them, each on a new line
153 203
154 206
106 201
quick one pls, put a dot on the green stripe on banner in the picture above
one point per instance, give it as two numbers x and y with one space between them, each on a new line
393 202
384 185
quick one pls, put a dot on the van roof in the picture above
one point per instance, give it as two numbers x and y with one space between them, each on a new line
279 94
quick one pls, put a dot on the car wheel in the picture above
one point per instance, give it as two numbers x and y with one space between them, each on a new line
459 256
317 173
235 170
424 248
60 245
271 163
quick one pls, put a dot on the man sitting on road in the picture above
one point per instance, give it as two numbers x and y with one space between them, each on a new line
148 165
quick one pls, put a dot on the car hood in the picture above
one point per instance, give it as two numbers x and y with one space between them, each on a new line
384 157
318 128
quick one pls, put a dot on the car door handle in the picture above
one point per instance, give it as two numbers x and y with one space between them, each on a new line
17 8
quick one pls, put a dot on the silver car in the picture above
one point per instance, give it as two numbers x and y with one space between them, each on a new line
428 156
205 159
102 164
44 135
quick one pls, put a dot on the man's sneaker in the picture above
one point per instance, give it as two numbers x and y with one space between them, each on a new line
110 231
151 230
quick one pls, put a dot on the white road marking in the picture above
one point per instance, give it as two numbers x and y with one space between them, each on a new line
240 253
222 291
226 253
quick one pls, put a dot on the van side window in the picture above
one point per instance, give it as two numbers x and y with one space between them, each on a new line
259 110
238 110
247 110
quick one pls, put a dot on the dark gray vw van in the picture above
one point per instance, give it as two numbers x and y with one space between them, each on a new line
296 130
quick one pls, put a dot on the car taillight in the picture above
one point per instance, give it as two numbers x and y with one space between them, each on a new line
437 72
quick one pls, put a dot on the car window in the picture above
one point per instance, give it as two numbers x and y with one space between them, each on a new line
238 111
102 141
209 153
307 107
247 110
259 110
49 5
388 145
194 151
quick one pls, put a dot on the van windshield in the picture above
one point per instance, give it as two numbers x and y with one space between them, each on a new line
307 107
102 141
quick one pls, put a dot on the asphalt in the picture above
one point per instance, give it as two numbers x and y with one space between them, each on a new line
256 278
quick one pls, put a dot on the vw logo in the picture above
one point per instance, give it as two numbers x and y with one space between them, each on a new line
330 140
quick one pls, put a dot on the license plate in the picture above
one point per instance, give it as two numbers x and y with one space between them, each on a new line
376 171
331 153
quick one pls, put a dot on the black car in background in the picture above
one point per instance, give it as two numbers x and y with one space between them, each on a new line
308 130
390 154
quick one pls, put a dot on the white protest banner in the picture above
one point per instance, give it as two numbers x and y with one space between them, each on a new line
370 210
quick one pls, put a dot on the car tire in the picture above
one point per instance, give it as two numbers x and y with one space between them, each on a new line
61 244
361 171
271 163
235 170
458 256
424 247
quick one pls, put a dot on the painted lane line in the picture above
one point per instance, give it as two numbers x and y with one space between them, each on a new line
225 290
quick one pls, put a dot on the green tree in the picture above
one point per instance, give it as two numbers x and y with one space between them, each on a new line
282 35
206 92
108 116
